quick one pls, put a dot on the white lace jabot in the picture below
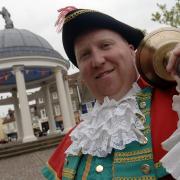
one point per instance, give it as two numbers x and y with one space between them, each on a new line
112 124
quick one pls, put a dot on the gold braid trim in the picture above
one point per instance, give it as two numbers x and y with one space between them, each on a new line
133 153
133 159
69 170
144 96
68 173
87 167
77 13
136 178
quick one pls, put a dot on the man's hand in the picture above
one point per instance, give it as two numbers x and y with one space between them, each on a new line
173 65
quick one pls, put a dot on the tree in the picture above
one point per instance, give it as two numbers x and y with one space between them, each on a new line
170 17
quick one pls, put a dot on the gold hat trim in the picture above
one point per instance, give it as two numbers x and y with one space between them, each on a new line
77 13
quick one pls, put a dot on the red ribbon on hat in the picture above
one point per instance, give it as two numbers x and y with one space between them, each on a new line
61 18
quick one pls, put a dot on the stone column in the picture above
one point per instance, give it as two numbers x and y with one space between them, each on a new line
66 84
18 117
49 110
78 92
24 105
63 100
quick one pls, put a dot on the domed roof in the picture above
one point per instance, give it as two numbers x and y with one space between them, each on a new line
20 42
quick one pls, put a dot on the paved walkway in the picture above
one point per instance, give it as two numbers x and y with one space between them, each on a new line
25 166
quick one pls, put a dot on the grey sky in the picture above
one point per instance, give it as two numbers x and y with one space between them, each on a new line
39 16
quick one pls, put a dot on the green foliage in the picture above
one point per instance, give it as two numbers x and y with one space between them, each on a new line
170 17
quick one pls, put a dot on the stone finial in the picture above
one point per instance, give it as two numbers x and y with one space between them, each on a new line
6 15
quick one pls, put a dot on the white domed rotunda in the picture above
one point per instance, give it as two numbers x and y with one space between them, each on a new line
28 61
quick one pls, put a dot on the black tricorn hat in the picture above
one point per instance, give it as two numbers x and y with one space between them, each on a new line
79 21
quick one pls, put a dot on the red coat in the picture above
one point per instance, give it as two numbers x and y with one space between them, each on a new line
163 124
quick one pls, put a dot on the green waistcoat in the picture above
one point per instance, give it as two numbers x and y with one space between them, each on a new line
133 162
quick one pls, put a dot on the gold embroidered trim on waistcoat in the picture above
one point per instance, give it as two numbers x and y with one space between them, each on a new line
136 178
77 13
133 153
87 167
143 96
68 173
133 159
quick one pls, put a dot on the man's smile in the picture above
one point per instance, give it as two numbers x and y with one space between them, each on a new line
103 73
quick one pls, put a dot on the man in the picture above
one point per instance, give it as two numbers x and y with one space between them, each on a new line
121 138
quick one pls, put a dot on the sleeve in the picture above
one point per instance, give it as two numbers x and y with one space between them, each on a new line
171 161
54 167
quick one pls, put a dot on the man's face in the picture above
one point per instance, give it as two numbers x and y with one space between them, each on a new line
106 63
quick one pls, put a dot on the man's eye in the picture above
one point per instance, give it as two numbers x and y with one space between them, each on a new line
84 55
106 45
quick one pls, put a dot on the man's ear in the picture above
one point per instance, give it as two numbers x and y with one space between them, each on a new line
132 50
131 47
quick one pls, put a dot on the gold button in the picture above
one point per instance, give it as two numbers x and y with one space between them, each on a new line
99 168
142 104
143 140
145 168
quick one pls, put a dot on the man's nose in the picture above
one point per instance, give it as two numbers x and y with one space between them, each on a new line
98 59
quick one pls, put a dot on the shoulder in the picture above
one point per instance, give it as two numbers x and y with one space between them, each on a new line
56 161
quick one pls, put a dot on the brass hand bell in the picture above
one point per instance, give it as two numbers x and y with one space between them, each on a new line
152 56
